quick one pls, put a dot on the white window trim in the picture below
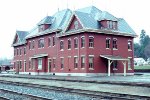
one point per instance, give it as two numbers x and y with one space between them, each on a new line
84 41
21 51
38 43
93 41
85 61
91 55
38 64
131 45
67 44
130 62
32 44
53 39
108 38
50 38
117 45
78 42
63 45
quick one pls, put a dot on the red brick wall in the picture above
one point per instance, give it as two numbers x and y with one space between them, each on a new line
99 48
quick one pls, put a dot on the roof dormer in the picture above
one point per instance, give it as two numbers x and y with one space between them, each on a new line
45 23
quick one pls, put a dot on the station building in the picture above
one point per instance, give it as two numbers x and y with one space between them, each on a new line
83 42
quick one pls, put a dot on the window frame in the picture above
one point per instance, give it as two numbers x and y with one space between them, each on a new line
69 44
130 46
91 62
41 43
82 61
83 42
115 45
62 62
75 62
40 63
108 43
91 43
76 42
61 45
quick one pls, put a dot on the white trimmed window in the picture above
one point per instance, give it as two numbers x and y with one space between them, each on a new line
91 41
40 63
29 64
82 61
25 65
33 44
107 43
91 62
17 51
30 45
24 50
114 43
69 43
62 63
53 41
49 41
14 52
129 45
75 62
129 63
75 42
54 62
20 51
61 45
82 42
41 43
33 63
20 64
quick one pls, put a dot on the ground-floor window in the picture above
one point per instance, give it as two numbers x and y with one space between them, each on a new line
20 65
33 63
75 62
49 64
25 66
54 62
82 61
114 64
62 63
129 63
40 63
91 62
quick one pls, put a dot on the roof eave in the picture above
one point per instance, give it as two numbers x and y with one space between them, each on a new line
43 33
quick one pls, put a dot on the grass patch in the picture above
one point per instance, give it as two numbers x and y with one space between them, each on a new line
142 67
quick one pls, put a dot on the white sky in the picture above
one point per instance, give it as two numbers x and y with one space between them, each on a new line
24 14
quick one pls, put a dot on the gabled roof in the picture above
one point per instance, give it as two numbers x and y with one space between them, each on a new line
89 17
21 38
107 16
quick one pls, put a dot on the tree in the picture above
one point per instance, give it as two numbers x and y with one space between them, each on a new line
137 50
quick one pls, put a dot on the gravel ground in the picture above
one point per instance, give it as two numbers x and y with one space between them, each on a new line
40 92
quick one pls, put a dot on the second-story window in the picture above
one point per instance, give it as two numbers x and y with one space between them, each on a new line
33 44
76 43
14 52
24 50
53 41
129 45
91 41
69 43
82 42
49 41
17 51
114 43
107 43
41 43
20 51
61 45
30 45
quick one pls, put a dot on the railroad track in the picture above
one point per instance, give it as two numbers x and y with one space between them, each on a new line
83 81
22 95
93 94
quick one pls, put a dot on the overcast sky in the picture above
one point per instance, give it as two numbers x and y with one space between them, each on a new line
24 14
